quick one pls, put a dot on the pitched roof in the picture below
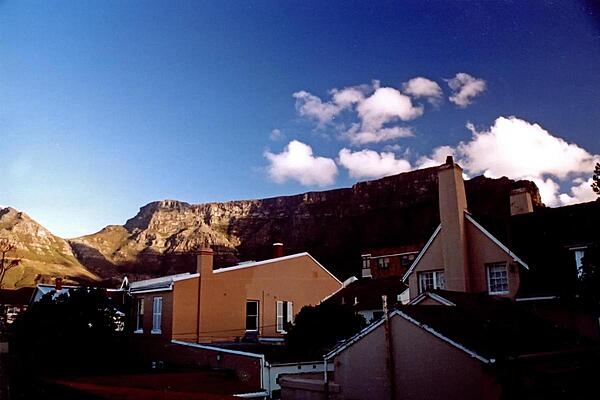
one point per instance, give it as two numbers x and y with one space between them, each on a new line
254 264
485 327
163 283
19 296
495 329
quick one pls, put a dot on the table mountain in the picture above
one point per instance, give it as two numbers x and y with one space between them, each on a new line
43 255
335 226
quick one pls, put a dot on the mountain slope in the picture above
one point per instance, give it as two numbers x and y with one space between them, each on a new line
335 226
43 255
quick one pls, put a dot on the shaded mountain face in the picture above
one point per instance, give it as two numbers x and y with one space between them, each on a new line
43 256
334 226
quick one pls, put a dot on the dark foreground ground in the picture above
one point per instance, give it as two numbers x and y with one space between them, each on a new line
159 385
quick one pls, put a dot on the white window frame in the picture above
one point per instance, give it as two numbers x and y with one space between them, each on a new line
139 315
437 278
383 262
496 269
156 314
285 314
251 315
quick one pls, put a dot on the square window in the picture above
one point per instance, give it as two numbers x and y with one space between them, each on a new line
383 262
497 278
431 280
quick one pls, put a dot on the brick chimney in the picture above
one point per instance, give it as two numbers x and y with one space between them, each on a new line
520 202
204 261
58 284
453 204
278 250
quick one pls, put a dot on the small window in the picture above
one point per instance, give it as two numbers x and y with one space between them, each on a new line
431 280
139 316
407 259
251 315
156 314
383 262
579 253
285 315
497 278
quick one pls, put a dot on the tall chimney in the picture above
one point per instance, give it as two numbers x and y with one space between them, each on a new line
520 202
277 250
204 262
453 204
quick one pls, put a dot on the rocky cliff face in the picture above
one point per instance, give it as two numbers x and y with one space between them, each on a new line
43 256
334 226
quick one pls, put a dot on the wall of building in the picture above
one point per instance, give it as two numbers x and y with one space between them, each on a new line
483 251
361 371
185 309
433 259
441 372
223 303
167 313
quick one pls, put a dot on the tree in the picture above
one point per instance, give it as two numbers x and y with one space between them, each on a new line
6 263
596 179
79 330
317 329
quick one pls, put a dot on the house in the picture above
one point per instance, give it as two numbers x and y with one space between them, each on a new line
474 346
461 255
480 348
364 296
13 302
389 261
249 301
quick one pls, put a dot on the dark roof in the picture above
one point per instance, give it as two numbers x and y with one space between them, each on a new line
19 296
544 238
494 328
368 292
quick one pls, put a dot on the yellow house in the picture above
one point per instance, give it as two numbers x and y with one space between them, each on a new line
461 255
249 300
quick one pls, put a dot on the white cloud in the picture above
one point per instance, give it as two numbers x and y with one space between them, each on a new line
276 135
312 107
371 164
375 111
581 192
465 88
423 87
296 162
358 137
519 149
349 96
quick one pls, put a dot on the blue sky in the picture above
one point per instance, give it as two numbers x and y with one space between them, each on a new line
106 106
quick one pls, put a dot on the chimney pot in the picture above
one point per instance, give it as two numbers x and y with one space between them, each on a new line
278 250
449 160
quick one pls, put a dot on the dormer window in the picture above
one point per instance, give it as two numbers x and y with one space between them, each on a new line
430 280
497 278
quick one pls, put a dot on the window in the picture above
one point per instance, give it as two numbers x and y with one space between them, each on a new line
139 316
383 262
251 315
285 315
156 314
579 253
431 280
497 278
407 259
